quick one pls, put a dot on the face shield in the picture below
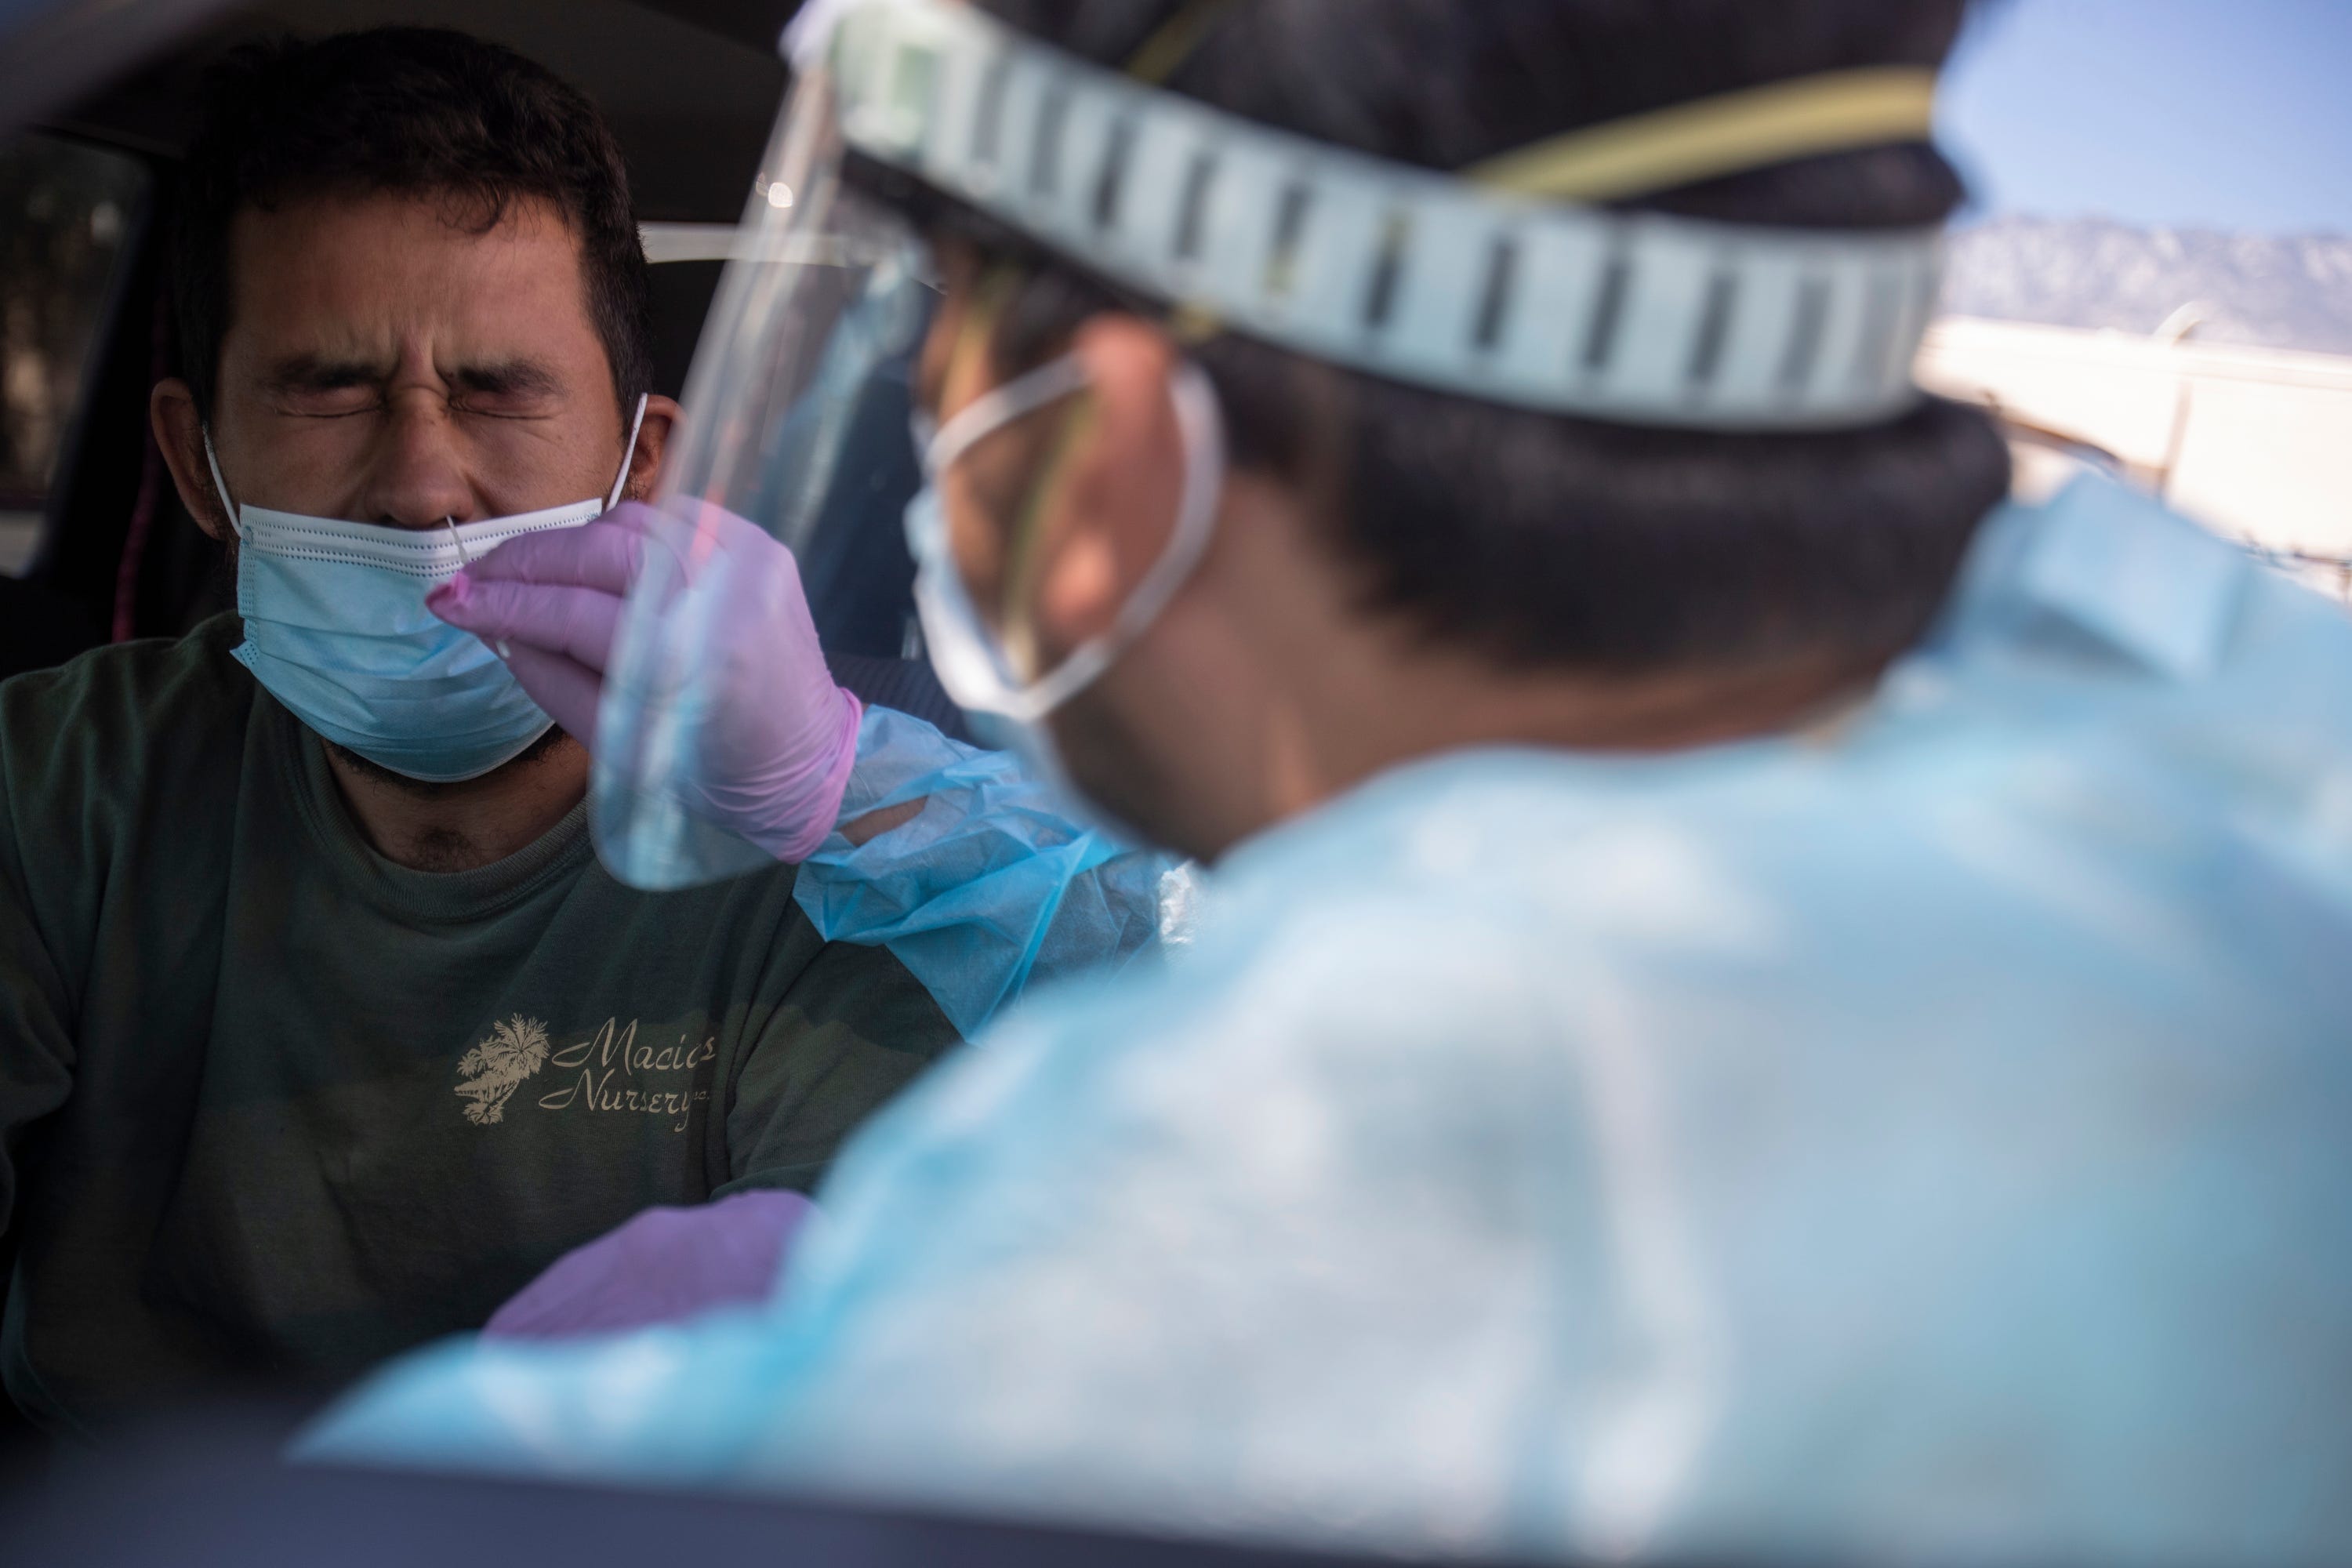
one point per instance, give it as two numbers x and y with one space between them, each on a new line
1511 284
799 407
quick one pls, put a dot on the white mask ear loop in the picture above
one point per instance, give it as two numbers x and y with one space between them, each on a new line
1203 430
629 457
220 486
1203 427
994 410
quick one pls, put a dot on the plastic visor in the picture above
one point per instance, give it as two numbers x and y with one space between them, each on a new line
796 418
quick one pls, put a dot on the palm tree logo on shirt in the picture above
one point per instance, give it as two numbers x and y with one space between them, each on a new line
494 1070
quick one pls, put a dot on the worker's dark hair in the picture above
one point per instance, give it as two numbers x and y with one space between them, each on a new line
1542 541
419 111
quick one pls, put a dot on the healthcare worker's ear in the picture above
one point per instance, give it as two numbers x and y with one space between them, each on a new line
662 415
1114 499
180 436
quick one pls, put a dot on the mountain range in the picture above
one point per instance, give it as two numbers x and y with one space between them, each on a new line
2261 291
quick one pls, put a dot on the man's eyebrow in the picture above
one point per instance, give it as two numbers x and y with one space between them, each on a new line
507 378
319 373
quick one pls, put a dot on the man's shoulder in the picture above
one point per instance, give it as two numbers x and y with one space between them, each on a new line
152 674
113 709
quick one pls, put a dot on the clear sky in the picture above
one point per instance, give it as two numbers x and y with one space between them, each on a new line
2227 114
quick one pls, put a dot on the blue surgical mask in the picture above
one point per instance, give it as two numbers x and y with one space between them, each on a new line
336 629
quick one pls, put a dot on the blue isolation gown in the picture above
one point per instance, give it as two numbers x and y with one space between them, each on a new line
993 887
1930 1135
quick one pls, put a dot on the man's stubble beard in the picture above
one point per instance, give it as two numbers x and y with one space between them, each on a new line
538 752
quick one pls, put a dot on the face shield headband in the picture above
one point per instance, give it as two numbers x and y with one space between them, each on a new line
1504 283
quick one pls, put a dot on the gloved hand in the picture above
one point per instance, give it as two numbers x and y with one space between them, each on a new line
776 762
664 1265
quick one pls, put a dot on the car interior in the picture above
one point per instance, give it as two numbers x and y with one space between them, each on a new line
94 544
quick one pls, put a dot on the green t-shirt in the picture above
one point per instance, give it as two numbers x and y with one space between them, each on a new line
270 1104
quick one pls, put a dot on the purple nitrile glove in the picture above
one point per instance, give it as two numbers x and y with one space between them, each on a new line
662 1266
778 759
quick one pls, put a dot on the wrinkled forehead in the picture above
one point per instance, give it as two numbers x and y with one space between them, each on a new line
383 275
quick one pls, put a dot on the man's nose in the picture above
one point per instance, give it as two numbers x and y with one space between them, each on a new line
417 480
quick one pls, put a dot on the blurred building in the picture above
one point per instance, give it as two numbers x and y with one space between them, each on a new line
2254 442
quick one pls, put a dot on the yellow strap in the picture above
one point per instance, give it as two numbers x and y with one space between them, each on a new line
1164 52
1837 112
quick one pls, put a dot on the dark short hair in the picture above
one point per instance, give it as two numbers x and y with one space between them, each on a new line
413 110
1536 540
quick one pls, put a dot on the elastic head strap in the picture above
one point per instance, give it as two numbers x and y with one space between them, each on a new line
1839 111
1683 144
1178 40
